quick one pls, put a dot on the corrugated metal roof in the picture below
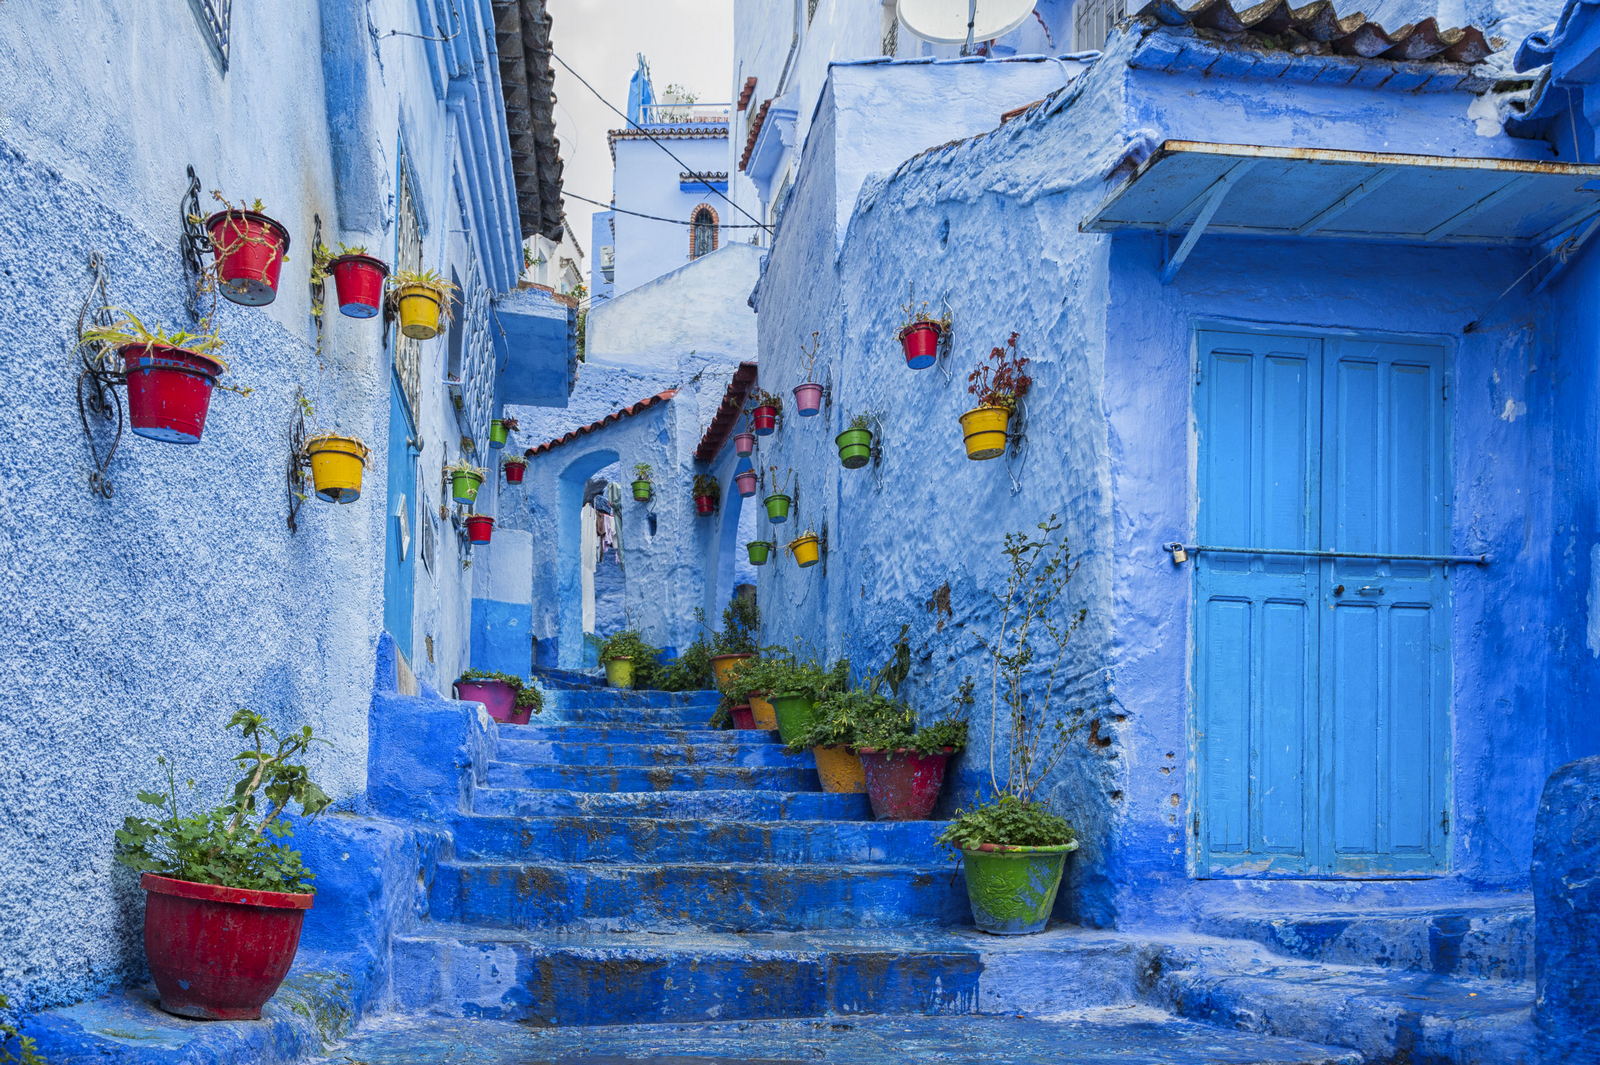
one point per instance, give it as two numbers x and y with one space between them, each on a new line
1318 29
522 39
727 416
615 416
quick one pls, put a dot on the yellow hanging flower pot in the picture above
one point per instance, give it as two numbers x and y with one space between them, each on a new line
337 463
805 549
423 300
984 430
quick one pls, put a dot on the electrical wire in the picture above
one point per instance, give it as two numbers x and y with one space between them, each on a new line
656 217
653 140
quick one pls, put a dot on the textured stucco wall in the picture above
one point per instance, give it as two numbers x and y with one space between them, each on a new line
701 307
139 623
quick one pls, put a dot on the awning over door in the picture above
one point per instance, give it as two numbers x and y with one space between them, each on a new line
1192 187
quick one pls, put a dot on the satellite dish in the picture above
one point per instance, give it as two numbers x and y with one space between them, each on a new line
963 21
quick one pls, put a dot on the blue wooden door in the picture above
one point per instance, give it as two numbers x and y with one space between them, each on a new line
1321 684
400 546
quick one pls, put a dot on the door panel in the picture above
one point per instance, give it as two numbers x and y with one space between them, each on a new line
400 548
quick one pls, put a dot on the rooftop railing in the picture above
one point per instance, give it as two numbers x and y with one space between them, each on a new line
685 114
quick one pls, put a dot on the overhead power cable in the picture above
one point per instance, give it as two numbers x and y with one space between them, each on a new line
656 217
624 115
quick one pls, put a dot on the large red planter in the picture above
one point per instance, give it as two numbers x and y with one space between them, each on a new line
704 505
219 953
514 472
746 482
359 280
249 248
921 343
764 420
480 528
744 717
744 444
903 785
169 391
497 697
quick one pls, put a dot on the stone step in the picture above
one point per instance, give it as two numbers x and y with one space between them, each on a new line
1127 1035
624 732
577 698
555 978
676 716
630 778
615 752
1386 1014
1489 941
645 839
674 805
722 897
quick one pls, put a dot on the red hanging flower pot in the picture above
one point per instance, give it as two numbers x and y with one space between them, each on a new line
249 248
514 471
704 505
169 391
359 280
219 953
921 343
744 444
480 527
764 420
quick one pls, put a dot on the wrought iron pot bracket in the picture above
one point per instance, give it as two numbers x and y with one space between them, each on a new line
195 244
295 471
100 409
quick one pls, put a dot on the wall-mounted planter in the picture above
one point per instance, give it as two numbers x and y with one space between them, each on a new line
777 506
704 505
743 717
359 282
497 697
515 470
480 528
794 714
807 399
855 448
745 482
219 953
839 770
419 307
984 430
903 785
642 491
1012 889
169 391
619 672
806 550
920 340
499 433
759 550
764 420
464 485
337 463
744 444
249 248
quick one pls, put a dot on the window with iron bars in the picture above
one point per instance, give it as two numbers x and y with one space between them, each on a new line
408 256
215 17
1093 20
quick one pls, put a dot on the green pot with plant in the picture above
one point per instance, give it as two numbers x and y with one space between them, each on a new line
839 720
759 550
507 698
620 653
642 488
795 686
1015 848
224 896
500 430
855 443
465 480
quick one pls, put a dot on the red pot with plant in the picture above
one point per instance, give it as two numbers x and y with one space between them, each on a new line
480 528
764 413
359 278
249 249
707 492
169 391
744 444
920 335
744 717
515 468
902 784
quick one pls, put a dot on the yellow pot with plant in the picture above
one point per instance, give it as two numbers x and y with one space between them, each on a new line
806 549
765 716
424 301
998 385
337 463
839 769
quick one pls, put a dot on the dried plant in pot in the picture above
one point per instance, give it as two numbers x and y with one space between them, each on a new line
999 384
765 407
920 333
808 394
707 491
425 302
250 250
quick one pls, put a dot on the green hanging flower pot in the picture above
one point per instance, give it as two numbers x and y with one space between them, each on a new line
642 491
855 448
777 508
759 550
499 432
464 485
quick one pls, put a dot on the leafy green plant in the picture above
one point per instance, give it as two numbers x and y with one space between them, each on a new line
862 421
443 289
130 331
641 471
1008 821
741 624
627 644
706 484
529 696
232 844
1003 380
27 1052
843 718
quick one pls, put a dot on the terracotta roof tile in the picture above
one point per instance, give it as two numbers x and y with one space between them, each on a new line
727 416
755 131
747 92
1318 29
615 416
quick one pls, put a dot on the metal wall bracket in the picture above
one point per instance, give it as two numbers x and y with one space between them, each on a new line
99 402
295 472
195 245
1206 204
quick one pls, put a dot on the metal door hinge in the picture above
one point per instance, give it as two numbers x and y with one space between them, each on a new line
1444 822
1195 824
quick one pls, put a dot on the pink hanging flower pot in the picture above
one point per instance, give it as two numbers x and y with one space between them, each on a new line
808 399
746 482
744 444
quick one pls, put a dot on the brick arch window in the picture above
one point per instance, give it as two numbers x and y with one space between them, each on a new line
702 231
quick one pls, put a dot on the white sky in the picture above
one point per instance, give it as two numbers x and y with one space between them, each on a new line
688 42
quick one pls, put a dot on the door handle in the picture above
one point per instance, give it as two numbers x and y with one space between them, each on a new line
1370 589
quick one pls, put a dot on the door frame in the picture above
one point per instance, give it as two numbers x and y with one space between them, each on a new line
1194 809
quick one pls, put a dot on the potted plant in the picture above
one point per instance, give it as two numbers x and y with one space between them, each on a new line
764 410
337 464
505 697
465 480
736 641
250 251
1013 847
742 716
751 681
706 493
224 895
642 488
833 733
777 502
480 528
747 481
794 687
806 549
744 444
759 550
500 430
855 443
998 384
424 301
920 334
808 396
516 466
169 376
904 764
358 279
620 653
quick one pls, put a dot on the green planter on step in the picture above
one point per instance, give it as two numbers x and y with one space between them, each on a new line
777 508
759 550
794 714
1012 889
855 448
